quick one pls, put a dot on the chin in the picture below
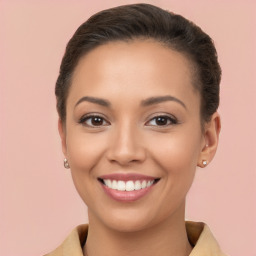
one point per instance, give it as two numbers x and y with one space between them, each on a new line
128 220
128 225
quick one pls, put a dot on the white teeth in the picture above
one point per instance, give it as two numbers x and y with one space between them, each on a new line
137 185
144 184
128 185
108 183
121 185
150 183
114 185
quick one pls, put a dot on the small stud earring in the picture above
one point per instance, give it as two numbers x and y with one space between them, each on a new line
204 163
66 164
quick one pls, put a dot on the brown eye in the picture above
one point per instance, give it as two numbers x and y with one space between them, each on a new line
97 121
93 121
162 121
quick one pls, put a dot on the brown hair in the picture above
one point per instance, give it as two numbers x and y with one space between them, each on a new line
129 22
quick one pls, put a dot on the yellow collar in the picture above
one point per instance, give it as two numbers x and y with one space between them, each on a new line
199 235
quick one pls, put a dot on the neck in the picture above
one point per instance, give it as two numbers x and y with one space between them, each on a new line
166 239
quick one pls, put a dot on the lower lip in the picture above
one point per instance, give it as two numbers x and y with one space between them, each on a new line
126 196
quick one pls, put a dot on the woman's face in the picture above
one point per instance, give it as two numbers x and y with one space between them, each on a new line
133 134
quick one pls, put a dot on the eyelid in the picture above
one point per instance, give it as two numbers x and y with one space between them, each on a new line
91 115
172 118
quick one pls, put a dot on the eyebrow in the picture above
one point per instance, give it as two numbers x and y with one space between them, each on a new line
159 99
144 103
98 101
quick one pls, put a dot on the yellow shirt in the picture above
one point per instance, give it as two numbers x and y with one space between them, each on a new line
199 235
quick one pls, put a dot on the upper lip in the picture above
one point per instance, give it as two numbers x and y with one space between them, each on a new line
127 177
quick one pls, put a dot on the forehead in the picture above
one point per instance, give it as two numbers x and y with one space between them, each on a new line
142 66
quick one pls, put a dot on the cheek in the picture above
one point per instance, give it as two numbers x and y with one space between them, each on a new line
84 150
84 153
177 150
177 155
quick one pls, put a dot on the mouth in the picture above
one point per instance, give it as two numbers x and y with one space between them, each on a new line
127 187
130 185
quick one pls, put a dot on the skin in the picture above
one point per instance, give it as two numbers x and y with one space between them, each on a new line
129 140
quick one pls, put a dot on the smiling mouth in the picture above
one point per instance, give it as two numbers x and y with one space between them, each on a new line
129 185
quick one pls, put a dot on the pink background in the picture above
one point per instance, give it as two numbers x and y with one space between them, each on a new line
39 204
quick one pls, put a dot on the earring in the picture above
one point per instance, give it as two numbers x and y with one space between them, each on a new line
66 164
204 162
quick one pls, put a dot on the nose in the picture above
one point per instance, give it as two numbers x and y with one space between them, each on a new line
126 146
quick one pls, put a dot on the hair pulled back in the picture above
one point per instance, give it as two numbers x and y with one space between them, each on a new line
130 22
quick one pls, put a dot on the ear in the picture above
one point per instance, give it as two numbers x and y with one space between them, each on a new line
210 141
62 133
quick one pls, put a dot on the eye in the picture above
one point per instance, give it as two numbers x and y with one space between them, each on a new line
162 120
93 121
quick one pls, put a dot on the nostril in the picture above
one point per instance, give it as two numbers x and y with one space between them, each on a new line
126 157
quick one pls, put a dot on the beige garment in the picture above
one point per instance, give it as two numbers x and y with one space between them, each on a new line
199 236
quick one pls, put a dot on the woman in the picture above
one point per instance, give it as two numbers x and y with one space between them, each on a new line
137 96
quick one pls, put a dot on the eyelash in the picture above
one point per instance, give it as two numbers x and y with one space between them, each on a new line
171 120
84 119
